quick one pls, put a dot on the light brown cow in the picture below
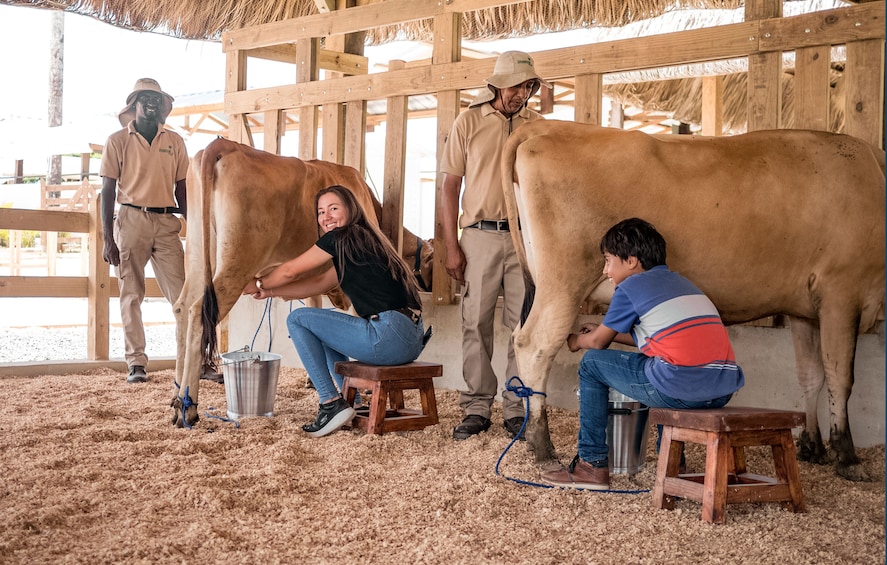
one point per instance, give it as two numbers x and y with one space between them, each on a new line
247 211
772 222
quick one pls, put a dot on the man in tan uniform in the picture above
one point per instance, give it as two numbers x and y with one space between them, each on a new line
484 259
143 169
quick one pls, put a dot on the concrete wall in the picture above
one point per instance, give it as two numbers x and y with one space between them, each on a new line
765 354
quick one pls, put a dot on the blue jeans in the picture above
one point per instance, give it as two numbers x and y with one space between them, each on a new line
603 369
324 337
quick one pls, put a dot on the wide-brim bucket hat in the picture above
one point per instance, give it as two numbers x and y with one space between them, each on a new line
512 68
128 114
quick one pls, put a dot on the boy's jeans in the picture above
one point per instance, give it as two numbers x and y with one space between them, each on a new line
603 369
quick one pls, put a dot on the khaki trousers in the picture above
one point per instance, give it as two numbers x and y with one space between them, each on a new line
492 266
142 237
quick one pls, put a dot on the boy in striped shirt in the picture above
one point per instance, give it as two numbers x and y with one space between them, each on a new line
685 360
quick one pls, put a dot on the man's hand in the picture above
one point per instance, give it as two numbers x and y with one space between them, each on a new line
456 263
110 252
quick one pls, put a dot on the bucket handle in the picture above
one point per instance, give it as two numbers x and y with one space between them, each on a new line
619 411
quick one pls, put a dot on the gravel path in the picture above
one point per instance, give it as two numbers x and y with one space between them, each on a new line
22 345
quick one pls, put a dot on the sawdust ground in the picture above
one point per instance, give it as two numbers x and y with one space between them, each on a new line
93 472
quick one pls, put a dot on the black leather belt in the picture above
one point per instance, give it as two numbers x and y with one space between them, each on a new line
490 225
413 315
170 210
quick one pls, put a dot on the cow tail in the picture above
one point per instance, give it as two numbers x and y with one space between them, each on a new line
210 318
529 296
509 177
210 313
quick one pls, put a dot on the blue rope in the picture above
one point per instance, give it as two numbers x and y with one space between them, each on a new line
222 418
266 311
186 402
522 391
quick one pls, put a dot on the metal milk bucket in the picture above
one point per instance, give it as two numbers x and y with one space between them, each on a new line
627 433
250 382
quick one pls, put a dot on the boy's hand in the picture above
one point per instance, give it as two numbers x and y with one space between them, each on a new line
577 341
572 342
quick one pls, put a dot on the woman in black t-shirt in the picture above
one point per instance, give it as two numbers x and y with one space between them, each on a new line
388 329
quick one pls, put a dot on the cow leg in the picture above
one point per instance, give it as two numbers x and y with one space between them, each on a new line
811 377
838 326
536 343
189 364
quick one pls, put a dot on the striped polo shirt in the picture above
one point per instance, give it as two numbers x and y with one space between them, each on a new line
679 329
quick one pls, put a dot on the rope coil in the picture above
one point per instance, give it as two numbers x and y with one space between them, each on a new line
525 392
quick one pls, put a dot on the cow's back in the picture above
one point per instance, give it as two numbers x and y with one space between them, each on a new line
751 219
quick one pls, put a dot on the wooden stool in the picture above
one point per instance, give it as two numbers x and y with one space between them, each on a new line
389 382
726 432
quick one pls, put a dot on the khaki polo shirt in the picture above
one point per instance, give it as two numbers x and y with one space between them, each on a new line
473 150
146 174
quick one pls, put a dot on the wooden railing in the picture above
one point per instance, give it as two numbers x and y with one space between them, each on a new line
98 286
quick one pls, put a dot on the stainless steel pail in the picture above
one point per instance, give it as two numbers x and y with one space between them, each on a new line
250 382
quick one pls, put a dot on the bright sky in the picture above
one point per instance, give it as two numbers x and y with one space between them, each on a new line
101 64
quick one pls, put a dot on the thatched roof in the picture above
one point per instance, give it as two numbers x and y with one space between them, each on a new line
208 19
668 90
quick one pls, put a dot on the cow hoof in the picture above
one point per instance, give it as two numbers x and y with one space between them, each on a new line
853 472
191 416
812 451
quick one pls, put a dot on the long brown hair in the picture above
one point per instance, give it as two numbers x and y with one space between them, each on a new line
362 238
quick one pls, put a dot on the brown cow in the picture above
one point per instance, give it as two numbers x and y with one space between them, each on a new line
249 210
770 222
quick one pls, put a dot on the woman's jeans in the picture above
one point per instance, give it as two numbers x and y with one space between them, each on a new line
325 337
603 369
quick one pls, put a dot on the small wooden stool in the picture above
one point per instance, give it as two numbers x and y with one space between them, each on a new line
726 432
389 382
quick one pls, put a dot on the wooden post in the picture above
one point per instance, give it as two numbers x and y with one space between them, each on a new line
306 71
589 105
713 106
235 81
395 164
811 88
864 84
617 115
447 49
98 289
764 73
273 131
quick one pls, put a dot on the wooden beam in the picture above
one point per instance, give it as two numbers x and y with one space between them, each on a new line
864 91
44 220
345 63
840 25
694 46
358 18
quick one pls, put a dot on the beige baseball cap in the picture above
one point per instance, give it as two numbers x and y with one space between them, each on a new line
128 114
512 68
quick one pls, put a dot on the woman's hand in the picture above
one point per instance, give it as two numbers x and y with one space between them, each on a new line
253 290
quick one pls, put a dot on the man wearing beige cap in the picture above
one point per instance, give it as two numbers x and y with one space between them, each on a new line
484 259
143 169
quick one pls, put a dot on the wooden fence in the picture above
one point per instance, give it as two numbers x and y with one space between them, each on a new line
99 287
